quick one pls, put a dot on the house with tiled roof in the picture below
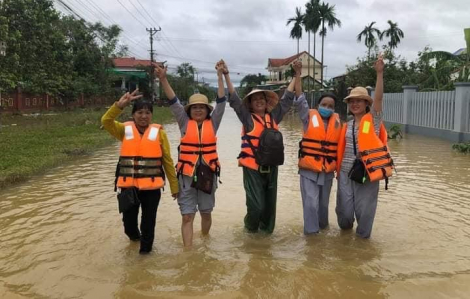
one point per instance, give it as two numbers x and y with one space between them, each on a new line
131 70
279 68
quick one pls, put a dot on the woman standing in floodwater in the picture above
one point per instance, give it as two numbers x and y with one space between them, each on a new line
198 163
144 162
363 158
259 111
317 155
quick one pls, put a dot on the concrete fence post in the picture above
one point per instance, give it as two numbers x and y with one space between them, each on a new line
461 108
408 94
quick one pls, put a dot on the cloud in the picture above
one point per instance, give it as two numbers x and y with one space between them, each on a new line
248 32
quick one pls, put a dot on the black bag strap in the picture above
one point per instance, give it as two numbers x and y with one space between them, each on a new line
354 137
116 176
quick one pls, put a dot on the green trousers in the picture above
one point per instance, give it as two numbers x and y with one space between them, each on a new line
261 197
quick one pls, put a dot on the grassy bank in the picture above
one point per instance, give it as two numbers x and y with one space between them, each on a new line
32 144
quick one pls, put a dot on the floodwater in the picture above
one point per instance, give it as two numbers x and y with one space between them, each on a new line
62 236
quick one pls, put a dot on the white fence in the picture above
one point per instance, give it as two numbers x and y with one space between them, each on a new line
393 107
433 110
441 110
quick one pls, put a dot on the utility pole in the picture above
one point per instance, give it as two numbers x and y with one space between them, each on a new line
152 32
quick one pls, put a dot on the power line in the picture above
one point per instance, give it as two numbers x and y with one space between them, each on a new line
131 13
187 39
150 23
163 33
71 10
143 8
112 22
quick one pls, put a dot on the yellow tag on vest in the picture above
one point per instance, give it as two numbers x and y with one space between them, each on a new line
366 127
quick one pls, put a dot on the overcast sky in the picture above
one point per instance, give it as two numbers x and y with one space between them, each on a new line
247 32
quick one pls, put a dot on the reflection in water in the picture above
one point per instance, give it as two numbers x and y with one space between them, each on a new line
62 237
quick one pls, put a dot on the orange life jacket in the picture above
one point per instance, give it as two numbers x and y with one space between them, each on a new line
247 157
195 144
318 147
140 161
373 150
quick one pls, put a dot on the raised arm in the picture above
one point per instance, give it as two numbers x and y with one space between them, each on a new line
161 74
231 89
175 106
297 79
220 79
243 113
300 101
379 85
219 109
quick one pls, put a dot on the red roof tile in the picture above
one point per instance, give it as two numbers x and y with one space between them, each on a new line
277 62
131 62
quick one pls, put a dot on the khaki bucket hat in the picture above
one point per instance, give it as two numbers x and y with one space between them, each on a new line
198 98
271 98
359 93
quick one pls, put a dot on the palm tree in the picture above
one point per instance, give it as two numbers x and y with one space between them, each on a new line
369 33
312 22
394 33
296 32
328 15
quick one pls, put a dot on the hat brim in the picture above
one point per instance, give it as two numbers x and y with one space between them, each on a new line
186 108
272 99
362 97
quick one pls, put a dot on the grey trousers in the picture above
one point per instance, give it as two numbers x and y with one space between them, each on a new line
315 200
358 200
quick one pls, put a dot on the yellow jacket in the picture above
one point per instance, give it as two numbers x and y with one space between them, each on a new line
116 129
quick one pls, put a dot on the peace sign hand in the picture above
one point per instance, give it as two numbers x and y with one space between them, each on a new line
125 100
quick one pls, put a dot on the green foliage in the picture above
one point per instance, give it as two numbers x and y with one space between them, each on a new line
184 85
429 71
54 54
312 19
35 144
394 33
447 65
369 34
297 20
394 132
462 147
250 81
186 71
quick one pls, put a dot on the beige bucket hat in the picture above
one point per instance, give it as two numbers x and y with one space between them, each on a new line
198 98
359 93
271 98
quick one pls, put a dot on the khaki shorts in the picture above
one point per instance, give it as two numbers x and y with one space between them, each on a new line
192 200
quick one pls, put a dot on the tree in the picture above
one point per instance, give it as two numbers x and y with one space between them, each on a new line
250 81
54 54
186 70
394 33
448 67
369 33
296 32
312 23
328 15
37 57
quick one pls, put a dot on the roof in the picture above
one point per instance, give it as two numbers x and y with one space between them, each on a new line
277 62
131 62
